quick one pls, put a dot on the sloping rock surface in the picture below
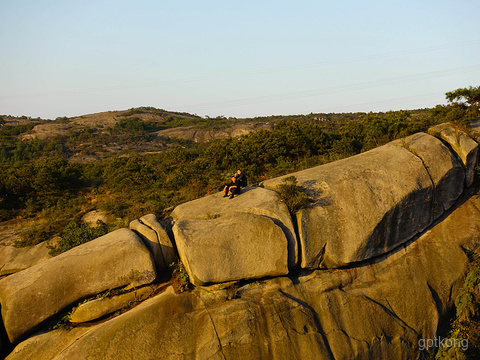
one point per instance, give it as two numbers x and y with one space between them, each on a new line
443 167
378 310
203 135
14 259
466 148
32 296
364 206
231 247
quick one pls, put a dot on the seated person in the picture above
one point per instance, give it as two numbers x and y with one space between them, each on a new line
233 187
241 178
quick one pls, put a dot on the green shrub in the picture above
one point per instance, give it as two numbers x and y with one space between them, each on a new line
291 194
180 276
76 234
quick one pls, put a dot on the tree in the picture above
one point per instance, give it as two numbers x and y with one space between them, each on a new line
464 96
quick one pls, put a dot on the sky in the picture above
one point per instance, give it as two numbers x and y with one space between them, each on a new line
234 59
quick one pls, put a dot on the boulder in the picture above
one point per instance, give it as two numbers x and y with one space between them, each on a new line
231 247
166 246
364 206
91 218
379 310
14 259
149 237
256 201
465 147
444 168
98 308
34 295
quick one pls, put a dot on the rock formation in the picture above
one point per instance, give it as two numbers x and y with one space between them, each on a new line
231 247
13 259
371 266
366 205
464 146
255 201
32 296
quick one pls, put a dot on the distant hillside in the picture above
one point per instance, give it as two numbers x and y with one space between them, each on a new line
145 114
143 160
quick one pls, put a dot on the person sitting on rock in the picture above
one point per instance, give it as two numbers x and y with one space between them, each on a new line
232 187
240 181
241 178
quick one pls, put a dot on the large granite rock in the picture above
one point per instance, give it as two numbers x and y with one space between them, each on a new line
150 239
156 238
462 144
168 251
365 206
256 201
379 310
443 167
232 247
31 296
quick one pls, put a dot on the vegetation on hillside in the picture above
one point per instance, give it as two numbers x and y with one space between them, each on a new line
37 180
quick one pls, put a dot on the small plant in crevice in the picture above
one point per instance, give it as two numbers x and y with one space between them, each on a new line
61 322
181 279
232 291
292 195
135 277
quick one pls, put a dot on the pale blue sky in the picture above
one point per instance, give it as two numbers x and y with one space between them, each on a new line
249 58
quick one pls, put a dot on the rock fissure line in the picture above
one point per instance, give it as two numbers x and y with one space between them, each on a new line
158 241
279 314
214 327
316 319
297 239
350 337
75 340
438 302
433 203
389 312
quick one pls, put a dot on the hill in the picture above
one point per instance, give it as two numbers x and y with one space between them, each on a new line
148 160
